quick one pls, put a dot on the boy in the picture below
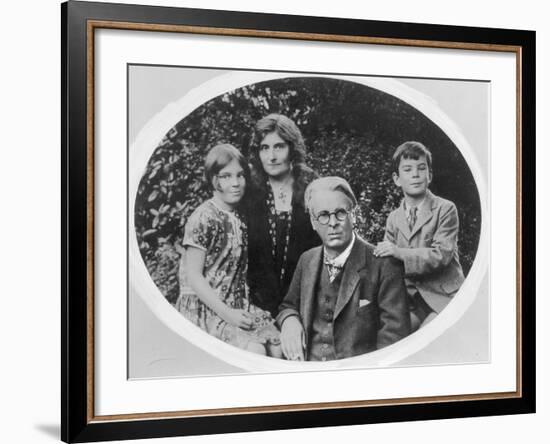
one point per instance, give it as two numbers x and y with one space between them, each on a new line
423 234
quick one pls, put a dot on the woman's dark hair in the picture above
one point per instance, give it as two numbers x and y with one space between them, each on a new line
287 130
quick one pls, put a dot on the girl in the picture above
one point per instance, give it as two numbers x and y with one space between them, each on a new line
213 268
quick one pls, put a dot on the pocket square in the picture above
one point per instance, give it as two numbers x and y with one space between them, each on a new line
363 302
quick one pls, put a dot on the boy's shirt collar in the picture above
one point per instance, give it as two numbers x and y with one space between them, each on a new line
418 207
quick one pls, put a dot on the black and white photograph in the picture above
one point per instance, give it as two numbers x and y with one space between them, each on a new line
243 222
303 221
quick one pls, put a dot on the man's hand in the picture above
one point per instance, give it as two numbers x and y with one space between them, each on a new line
293 339
386 248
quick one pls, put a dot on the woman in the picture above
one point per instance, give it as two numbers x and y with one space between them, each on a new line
213 268
279 226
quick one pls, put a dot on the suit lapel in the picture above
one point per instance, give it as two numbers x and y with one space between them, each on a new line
425 213
312 272
350 277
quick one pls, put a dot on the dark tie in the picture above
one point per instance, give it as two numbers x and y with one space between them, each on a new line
412 217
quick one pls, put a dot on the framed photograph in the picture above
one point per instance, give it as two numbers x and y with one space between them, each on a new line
275 221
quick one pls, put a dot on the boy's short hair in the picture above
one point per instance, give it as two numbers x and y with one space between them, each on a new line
410 150
219 157
331 183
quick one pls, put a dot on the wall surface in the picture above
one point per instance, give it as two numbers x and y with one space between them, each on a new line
30 223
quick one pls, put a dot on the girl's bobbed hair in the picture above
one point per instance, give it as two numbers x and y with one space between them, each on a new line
219 157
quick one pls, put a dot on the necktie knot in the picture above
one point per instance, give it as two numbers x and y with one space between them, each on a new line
412 217
333 269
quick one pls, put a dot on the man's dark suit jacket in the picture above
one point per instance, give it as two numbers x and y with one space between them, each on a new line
371 310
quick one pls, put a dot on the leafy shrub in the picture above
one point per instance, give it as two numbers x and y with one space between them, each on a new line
350 130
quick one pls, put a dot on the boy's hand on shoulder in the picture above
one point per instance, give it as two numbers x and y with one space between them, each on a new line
385 249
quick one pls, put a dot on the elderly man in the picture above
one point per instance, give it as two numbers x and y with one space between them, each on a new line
342 301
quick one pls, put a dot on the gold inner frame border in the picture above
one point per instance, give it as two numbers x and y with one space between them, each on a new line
92 25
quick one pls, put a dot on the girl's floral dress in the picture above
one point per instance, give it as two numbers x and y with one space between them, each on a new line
223 236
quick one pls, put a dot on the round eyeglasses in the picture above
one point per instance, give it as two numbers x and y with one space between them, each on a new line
324 216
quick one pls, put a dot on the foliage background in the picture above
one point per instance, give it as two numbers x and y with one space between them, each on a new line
350 131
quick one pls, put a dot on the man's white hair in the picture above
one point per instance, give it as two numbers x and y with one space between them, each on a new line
330 183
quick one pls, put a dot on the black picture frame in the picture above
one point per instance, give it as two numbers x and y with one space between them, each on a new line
78 423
